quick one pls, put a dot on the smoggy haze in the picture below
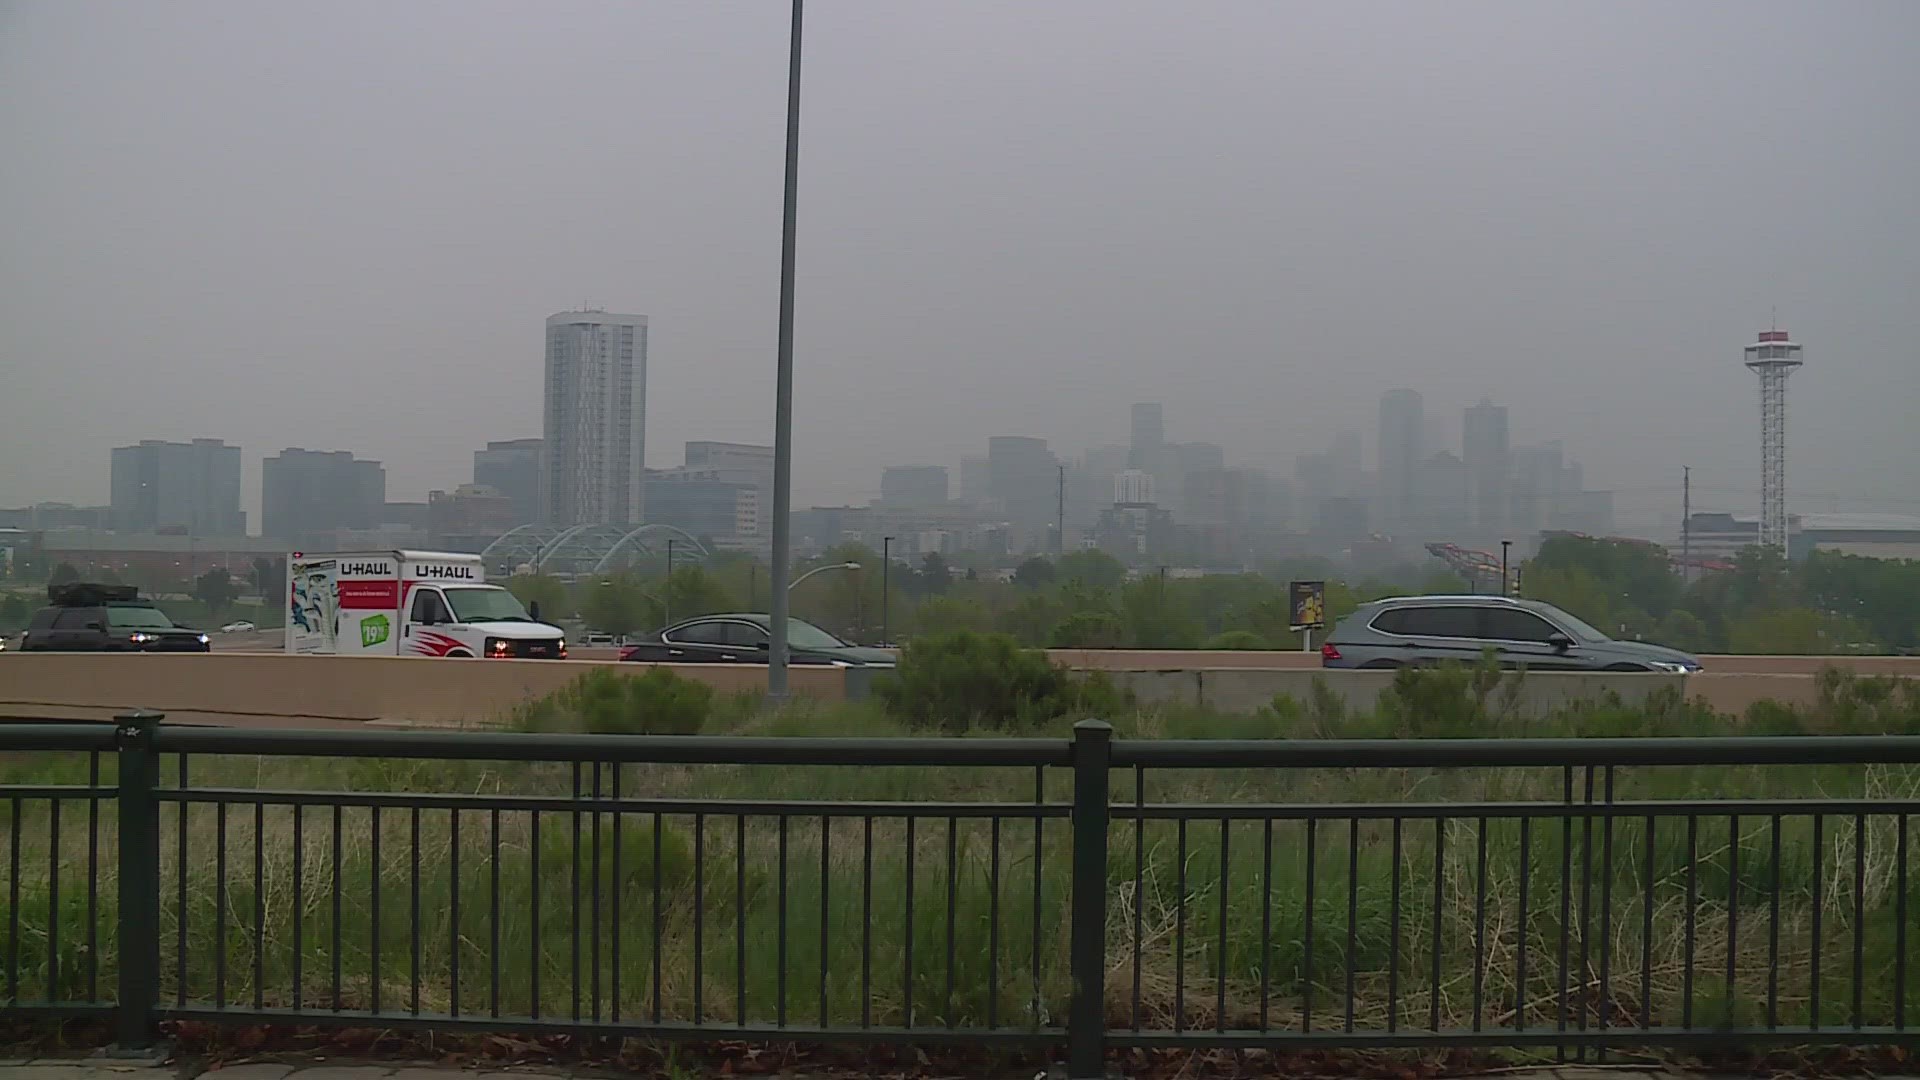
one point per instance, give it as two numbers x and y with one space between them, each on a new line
341 225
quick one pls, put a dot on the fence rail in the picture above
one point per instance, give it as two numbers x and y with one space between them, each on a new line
1078 894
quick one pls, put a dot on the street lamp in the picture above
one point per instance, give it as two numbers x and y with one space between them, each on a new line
822 570
1504 590
886 574
783 384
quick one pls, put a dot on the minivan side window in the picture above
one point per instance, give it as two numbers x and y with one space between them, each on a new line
1396 621
1516 625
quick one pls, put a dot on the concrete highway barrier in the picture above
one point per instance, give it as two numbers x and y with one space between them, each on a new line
269 689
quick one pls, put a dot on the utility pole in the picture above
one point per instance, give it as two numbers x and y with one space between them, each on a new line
1686 524
886 577
666 590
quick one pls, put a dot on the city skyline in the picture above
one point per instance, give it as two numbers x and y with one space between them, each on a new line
360 263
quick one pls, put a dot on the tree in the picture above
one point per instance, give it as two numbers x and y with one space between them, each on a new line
1089 630
619 606
693 591
64 574
933 578
547 593
216 589
1095 568
1035 573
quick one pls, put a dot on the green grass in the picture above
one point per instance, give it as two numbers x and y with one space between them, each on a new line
1168 905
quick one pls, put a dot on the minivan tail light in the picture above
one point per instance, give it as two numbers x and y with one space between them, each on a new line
1328 652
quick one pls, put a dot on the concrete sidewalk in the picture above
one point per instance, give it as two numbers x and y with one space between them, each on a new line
106 1069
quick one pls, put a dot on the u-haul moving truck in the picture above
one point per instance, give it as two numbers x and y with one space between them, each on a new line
408 603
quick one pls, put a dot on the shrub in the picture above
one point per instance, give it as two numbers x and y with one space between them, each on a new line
1237 641
1090 630
952 681
607 702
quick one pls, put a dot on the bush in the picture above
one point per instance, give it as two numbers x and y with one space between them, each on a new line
1237 641
606 702
953 681
1090 630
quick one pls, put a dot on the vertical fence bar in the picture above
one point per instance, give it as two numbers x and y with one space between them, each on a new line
1039 843
1140 881
906 969
93 870
373 905
299 860
180 867
1773 933
1859 915
1521 927
1266 922
1306 928
1813 959
1220 946
1692 920
1393 932
139 884
338 946
1353 911
826 872
13 898
1086 1023
1900 927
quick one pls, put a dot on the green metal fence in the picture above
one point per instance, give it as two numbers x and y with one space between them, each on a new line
1081 895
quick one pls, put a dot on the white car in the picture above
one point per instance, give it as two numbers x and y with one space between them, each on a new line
238 628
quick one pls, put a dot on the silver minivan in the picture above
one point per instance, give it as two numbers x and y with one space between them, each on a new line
1416 631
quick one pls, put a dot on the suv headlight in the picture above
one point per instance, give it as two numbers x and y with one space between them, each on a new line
1672 667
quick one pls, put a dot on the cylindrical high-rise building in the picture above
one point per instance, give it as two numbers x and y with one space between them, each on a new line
1773 357
595 418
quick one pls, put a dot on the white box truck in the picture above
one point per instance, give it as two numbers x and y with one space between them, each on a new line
408 603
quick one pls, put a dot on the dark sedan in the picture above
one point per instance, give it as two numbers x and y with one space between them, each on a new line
744 639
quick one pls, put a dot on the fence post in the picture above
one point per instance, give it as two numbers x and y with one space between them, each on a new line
139 885
1087 1015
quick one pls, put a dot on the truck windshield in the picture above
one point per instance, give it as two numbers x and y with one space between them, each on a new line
485 605
137 616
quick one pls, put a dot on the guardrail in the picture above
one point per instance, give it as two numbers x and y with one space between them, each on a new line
1564 895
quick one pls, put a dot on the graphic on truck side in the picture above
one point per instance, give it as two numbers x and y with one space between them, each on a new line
374 630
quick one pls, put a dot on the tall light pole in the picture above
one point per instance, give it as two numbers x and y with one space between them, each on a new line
1504 590
783 384
886 576
667 589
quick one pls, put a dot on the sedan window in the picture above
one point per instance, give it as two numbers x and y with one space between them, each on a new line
700 633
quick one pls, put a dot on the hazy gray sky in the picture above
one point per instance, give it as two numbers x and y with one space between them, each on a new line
341 225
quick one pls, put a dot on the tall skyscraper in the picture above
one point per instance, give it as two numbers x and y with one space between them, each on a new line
172 485
512 468
1022 476
1402 439
1148 436
1483 444
595 418
307 495
916 487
